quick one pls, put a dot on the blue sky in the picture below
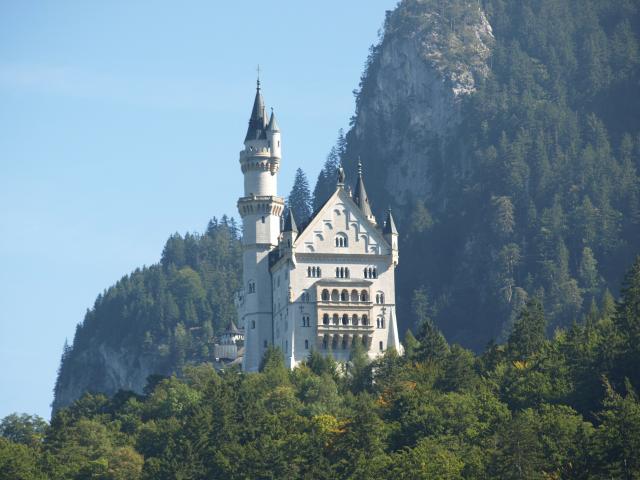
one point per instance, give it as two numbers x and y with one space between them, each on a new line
121 123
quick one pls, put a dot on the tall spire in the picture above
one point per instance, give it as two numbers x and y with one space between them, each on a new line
360 195
389 224
258 120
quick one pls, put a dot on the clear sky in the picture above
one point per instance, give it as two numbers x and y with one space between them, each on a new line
121 123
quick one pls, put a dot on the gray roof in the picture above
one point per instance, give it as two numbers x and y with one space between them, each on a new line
273 124
290 223
258 120
360 194
389 224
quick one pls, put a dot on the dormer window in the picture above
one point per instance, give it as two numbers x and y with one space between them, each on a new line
342 241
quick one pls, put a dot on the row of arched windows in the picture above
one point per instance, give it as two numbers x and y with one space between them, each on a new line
344 296
370 272
347 342
342 272
314 272
345 319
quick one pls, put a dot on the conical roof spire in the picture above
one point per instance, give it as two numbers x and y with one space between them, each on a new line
273 124
360 194
258 120
389 224
290 223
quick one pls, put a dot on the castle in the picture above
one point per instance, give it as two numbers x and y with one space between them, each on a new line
324 285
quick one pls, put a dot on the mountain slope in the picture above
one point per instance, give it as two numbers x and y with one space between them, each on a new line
507 140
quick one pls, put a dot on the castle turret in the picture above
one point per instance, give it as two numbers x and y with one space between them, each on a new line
361 198
390 233
260 209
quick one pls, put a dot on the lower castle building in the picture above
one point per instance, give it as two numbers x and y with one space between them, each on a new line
325 285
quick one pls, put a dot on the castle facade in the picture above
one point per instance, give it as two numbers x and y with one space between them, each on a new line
324 285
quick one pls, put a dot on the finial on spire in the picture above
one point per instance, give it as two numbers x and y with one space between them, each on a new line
359 166
341 176
258 77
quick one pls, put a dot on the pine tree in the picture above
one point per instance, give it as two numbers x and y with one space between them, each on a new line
299 200
529 331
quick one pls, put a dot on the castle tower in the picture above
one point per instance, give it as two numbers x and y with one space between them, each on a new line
260 209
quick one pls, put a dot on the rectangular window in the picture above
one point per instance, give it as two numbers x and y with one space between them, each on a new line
381 346
306 344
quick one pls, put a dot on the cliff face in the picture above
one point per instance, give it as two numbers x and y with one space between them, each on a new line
104 369
412 94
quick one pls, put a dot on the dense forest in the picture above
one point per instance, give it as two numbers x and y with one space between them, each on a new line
532 189
532 408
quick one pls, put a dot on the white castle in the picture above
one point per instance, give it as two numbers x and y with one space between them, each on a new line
323 286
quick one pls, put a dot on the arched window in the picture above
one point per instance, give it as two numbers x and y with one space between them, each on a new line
354 319
336 319
346 272
325 295
308 271
325 319
341 240
337 272
306 344
382 322
344 296
319 272
335 296
345 342
354 295
345 319
363 296
382 298
378 323
366 273
377 298
365 320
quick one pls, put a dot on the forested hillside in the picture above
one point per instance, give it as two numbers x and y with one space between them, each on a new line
532 408
156 319
506 136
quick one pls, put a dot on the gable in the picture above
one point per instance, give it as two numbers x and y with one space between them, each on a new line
341 227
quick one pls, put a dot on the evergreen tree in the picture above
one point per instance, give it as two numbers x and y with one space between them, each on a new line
299 200
529 331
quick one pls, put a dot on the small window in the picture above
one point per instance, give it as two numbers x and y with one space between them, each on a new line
381 346
344 296
306 344
354 319
325 295
253 324
263 219
325 319
345 319
336 319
